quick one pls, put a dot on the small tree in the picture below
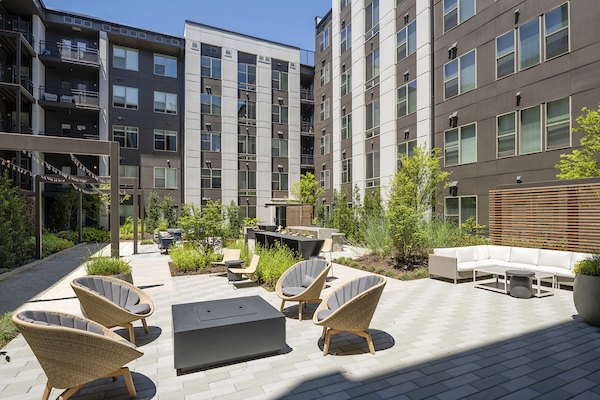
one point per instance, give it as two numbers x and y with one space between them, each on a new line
307 189
14 222
153 212
167 209
343 216
203 227
232 212
412 195
583 163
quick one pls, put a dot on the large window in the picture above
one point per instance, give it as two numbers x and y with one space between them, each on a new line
505 54
406 41
406 149
246 110
210 141
558 124
346 37
247 76
346 82
279 80
165 140
346 126
556 35
125 97
247 211
324 144
210 178
279 181
407 99
324 179
459 209
530 131
246 145
127 136
372 19
373 119
324 109
456 12
210 104
460 75
324 39
507 135
165 102
128 171
529 44
279 114
165 178
347 170
165 66
210 67
372 77
279 147
324 73
125 58
246 180
460 145
372 174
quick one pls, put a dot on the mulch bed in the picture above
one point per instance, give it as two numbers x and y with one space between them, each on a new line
388 266
220 269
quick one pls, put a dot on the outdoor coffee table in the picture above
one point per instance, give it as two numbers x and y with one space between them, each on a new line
217 332
500 283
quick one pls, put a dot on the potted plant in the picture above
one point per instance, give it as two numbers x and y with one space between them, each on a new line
586 289
109 266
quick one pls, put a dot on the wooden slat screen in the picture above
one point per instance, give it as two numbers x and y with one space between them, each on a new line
299 216
565 217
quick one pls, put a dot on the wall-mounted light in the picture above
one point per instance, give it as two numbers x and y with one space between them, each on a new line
280 167
453 51
247 201
169 163
208 163
453 188
406 134
208 126
406 76
517 14
519 179
208 89
372 144
279 133
247 166
406 19
453 119
518 99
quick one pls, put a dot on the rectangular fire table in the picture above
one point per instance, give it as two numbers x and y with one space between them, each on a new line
211 333
305 246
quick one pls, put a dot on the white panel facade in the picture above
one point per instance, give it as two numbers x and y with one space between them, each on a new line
358 95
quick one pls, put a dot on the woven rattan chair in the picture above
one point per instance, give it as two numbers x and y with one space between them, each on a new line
74 351
113 302
350 308
303 283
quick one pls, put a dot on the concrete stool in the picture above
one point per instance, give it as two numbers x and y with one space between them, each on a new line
520 283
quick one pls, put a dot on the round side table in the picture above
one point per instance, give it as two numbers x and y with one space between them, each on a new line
520 283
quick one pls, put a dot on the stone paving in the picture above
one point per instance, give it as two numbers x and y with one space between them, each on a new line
433 340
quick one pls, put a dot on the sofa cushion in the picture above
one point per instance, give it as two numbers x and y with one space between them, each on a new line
555 258
578 257
524 255
500 253
558 271
465 254
482 252
470 265
450 252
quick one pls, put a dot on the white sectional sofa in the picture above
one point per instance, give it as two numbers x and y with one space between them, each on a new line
458 262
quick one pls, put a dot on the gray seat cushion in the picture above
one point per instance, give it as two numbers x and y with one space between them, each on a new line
140 308
118 294
307 281
321 315
298 272
349 291
293 290
50 318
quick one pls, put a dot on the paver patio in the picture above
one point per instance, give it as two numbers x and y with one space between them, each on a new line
433 340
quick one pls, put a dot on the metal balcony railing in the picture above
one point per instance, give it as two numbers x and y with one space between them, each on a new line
306 127
8 74
306 94
81 98
73 134
16 24
71 53
307 57
307 159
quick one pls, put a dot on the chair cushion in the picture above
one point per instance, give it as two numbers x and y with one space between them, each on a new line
307 281
118 294
524 255
293 290
464 254
482 252
450 252
321 315
352 289
140 308
555 258
297 272
500 253
50 318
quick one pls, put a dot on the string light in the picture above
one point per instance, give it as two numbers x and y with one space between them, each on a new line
82 167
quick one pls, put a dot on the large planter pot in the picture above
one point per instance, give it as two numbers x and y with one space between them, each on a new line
124 277
586 294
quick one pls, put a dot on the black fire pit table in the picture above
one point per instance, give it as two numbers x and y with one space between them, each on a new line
217 332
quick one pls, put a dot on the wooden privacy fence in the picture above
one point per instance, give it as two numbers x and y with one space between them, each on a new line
565 217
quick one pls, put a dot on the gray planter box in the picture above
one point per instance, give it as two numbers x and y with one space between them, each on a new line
587 298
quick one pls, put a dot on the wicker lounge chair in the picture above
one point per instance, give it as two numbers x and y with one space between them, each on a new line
228 255
113 302
303 282
251 270
74 351
350 308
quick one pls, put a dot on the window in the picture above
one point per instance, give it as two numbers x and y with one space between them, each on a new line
324 73
346 82
165 140
210 67
556 35
347 170
460 75
128 171
127 136
505 54
459 209
344 3
279 181
324 179
165 102
210 104
558 124
324 39
125 58
346 130
165 178
529 44
372 20
507 135
246 75
406 149
125 97
406 41
246 144
407 99
65 129
210 178
165 66
324 110
372 168
398 2
346 37
373 119
456 12
247 212
279 80
246 110
246 180
460 145
279 114
324 144
372 77
210 141
530 131
279 147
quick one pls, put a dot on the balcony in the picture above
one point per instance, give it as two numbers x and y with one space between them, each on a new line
307 159
8 74
307 95
77 54
73 134
307 57
306 127
69 98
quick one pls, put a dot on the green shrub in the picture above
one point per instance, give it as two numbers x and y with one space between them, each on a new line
589 266
126 230
69 235
440 233
91 234
15 224
274 262
376 232
189 259
245 252
8 330
163 225
53 244
347 261
147 241
107 266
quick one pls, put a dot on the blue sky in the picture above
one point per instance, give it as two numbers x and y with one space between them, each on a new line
286 21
